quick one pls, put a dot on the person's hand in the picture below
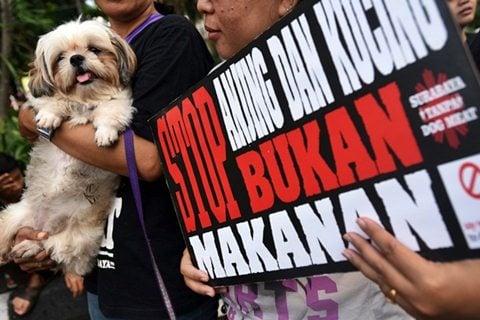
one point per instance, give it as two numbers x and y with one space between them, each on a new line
195 278
42 260
10 188
7 183
425 289
74 284
27 124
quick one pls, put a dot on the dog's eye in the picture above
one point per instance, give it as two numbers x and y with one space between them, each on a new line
60 57
94 50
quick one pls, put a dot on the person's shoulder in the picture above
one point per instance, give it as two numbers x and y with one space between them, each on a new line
174 22
176 19
168 29
473 39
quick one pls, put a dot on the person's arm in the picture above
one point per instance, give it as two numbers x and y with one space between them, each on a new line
195 278
425 289
79 142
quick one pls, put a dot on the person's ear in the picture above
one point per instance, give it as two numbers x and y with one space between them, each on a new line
286 6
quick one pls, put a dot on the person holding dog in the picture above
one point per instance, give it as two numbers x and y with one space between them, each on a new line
171 57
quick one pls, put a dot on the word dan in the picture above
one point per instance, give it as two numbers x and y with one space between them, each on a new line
247 98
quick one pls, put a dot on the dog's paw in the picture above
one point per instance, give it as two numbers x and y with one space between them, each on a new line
26 249
78 120
49 120
59 257
105 136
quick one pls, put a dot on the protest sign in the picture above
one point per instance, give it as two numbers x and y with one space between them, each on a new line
342 109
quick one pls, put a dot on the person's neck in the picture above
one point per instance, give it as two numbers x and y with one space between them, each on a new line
124 28
463 33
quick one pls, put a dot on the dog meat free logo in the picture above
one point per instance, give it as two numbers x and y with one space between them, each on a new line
441 108
461 179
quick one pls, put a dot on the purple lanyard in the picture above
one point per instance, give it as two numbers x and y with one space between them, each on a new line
133 176
154 17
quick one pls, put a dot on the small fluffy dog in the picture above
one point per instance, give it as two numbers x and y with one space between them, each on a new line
80 74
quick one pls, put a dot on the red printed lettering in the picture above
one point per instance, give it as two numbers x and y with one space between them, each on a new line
193 135
388 128
293 164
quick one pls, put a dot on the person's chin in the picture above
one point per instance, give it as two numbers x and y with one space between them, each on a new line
223 49
465 20
224 53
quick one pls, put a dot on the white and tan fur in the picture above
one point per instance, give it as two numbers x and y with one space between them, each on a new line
80 74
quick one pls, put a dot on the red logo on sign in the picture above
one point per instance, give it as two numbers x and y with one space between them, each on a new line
469 176
450 134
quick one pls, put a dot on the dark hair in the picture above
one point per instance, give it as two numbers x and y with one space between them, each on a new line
163 8
8 163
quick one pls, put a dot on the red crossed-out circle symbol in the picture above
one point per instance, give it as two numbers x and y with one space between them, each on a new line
469 176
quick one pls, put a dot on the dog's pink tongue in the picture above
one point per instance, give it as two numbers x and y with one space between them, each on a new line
84 77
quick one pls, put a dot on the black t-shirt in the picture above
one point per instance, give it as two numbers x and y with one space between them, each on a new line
473 41
172 57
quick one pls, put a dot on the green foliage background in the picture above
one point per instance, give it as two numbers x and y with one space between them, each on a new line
11 142
30 18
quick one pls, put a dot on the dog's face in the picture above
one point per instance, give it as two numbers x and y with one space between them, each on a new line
81 60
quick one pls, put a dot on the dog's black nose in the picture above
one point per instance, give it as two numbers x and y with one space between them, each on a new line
77 60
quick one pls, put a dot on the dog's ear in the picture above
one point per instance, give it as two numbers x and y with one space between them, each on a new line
39 82
127 61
